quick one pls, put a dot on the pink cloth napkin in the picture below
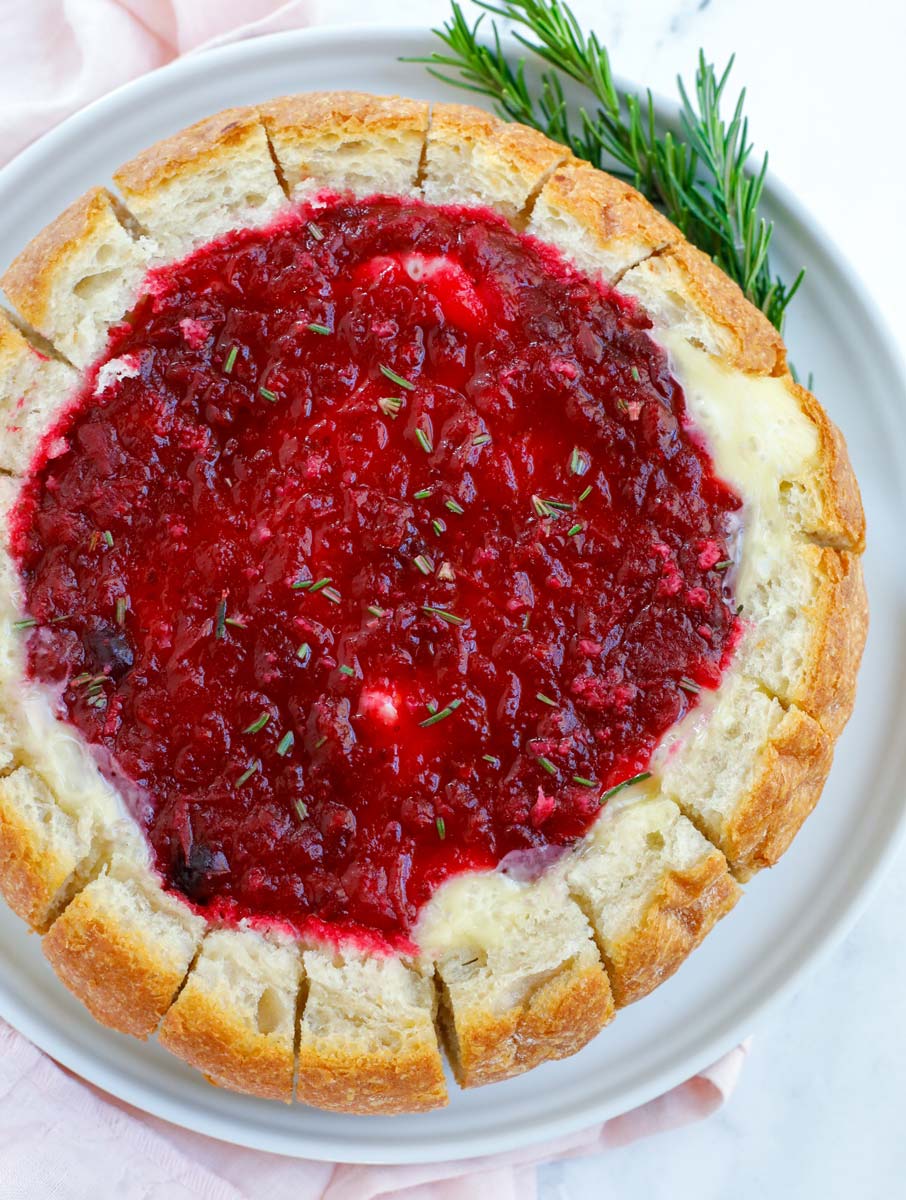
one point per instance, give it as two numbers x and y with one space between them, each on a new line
61 1137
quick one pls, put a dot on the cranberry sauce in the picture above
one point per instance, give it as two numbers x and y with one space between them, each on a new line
381 550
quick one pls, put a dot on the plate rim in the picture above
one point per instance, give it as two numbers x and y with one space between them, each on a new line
848 905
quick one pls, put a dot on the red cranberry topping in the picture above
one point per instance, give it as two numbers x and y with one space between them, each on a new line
387 554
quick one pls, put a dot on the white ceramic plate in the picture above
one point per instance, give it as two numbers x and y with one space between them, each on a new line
788 918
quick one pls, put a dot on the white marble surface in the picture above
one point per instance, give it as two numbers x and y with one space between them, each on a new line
819 1110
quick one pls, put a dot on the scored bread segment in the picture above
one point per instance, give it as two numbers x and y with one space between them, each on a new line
235 1017
653 887
347 141
213 177
690 295
367 1039
522 981
44 852
123 947
78 276
34 389
474 158
746 770
598 222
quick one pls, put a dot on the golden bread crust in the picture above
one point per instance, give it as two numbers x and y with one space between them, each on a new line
30 877
687 906
36 863
556 1019
214 1038
124 978
31 278
842 516
754 345
791 774
350 113
608 211
827 691
187 150
483 153
408 1080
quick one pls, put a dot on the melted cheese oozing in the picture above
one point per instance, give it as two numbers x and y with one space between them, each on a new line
757 436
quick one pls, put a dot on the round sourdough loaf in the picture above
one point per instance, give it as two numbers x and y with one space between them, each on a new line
509 972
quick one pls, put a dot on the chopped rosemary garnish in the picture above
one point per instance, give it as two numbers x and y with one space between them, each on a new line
267 394
286 743
258 724
438 526
320 742
230 361
304 652
220 620
578 462
440 716
423 494
315 231
585 494
423 563
299 805
375 611
540 507
108 538
574 530
635 374
249 772
423 440
454 506
390 374
25 623
441 828
722 566
605 796
492 759
545 699
346 670
390 406
93 541
689 685
309 585
331 594
547 764
563 505
432 706
235 622
122 603
581 779
481 439
314 327
450 618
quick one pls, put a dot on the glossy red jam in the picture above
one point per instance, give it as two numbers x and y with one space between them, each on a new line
381 551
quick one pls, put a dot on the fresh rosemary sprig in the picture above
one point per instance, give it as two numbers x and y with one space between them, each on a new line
699 178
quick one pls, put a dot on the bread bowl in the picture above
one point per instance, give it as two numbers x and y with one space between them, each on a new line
608 921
